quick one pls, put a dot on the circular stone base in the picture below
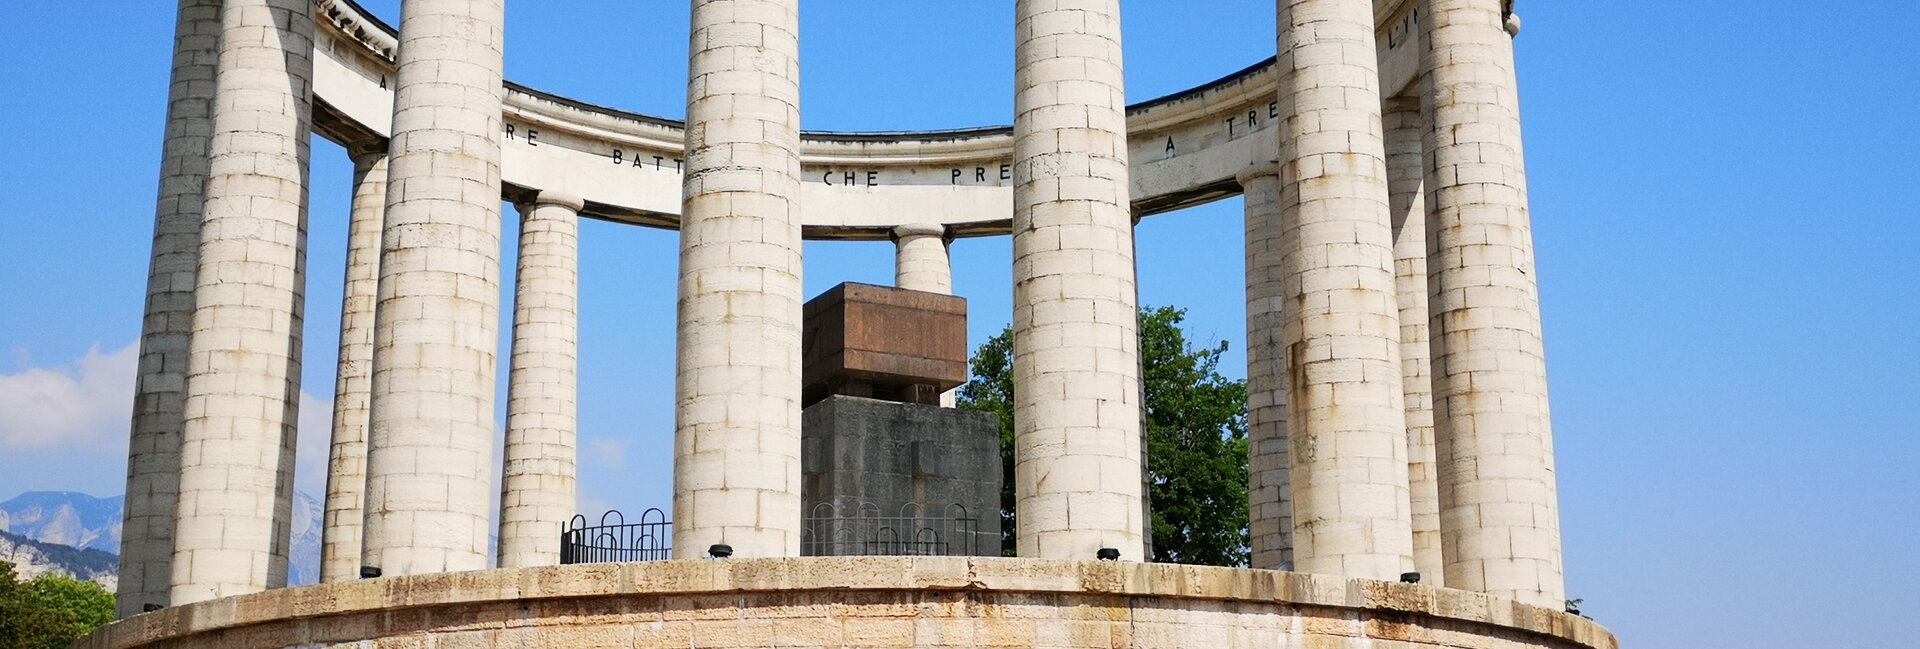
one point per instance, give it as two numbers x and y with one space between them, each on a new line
860 602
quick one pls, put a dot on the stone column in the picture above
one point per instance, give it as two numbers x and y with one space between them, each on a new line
920 260
1346 428
1499 515
920 263
1405 177
153 455
1075 321
737 381
347 456
1270 501
243 375
430 445
537 493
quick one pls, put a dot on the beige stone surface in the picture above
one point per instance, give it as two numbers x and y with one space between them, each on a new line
915 173
166 330
737 367
1270 498
243 376
345 508
920 260
1499 511
1077 414
862 602
538 483
921 263
1346 427
430 445
1405 177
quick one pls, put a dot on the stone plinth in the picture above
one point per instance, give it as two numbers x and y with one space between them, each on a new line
860 602
890 343
879 476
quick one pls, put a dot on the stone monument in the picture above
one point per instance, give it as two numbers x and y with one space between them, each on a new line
886 469
1397 398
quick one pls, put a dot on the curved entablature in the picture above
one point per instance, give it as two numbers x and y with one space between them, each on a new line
1185 148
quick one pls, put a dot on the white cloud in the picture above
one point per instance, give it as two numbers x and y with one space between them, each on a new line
87 403
316 439
87 406
607 452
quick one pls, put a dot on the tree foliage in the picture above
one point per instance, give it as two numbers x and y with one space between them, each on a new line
1196 446
49 611
1196 440
990 389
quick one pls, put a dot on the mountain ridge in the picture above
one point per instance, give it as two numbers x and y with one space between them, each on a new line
32 558
47 527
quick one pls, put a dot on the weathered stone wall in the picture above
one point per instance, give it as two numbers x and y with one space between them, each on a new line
860 602
863 459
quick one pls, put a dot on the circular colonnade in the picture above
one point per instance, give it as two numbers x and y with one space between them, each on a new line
1397 414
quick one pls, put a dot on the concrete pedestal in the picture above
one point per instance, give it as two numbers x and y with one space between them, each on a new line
881 477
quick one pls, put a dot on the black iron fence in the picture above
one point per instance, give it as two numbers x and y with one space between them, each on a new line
864 529
616 540
856 529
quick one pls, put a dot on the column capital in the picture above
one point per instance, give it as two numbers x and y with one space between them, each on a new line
366 152
1246 176
911 230
557 198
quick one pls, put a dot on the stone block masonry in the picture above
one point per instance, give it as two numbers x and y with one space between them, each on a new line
345 509
243 376
1270 499
537 484
166 331
1405 125
863 602
736 471
1499 508
1345 423
430 447
1077 444
1397 399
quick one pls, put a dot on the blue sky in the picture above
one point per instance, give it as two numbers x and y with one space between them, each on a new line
1723 205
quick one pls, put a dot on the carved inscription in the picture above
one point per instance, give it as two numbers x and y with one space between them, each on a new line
1402 32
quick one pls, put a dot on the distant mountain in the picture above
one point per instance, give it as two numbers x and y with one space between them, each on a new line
32 558
51 519
303 559
66 518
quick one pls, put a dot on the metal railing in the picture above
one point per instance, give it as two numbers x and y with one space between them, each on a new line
860 529
616 540
833 530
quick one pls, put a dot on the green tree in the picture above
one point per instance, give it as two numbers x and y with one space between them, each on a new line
1196 440
991 390
17 620
49 611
